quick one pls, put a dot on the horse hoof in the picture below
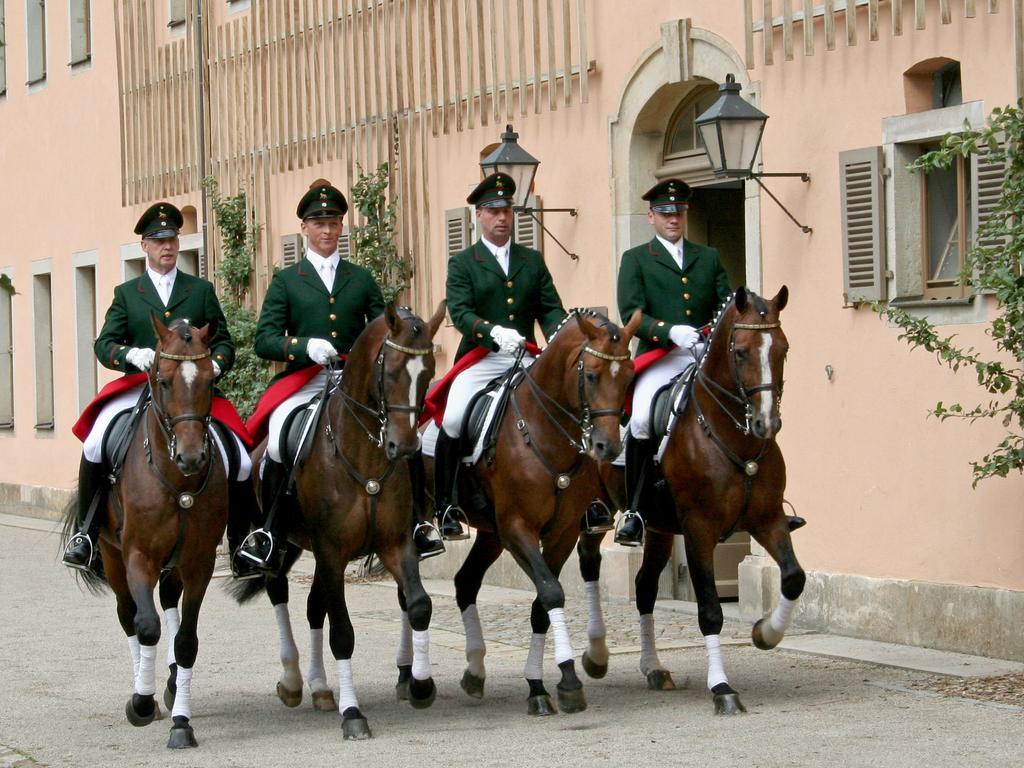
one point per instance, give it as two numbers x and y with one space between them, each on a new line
573 701
354 725
795 523
592 668
728 704
182 737
660 680
473 685
141 710
422 693
323 701
540 706
287 697
757 637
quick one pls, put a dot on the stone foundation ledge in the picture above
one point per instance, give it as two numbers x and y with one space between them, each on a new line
950 617
33 500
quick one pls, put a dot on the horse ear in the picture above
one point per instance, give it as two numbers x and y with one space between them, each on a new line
202 334
781 299
741 299
438 318
586 326
158 327
391 316
633 325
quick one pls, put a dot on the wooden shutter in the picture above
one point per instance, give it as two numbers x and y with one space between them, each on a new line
528 231
987 177
291 249
863 215
6 361
80 31
345 246
456 230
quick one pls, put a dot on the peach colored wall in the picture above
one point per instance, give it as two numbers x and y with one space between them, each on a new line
887 491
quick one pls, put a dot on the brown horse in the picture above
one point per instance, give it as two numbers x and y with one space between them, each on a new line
723 472
353 497
167 511
563 417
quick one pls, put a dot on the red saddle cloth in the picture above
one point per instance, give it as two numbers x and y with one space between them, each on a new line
258 423
437 397
222 410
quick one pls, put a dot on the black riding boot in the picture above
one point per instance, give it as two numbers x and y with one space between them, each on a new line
424 534
82 548
639 454
242 510
452 520
265 547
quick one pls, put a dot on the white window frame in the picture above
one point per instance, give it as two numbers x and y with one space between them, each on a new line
42 333
7 338
87 324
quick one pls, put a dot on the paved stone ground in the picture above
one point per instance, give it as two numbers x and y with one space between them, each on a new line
65 676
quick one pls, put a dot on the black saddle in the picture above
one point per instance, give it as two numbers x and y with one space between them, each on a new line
115 440
664 398
476 416
297 433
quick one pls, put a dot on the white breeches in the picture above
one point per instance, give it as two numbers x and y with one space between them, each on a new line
277 419
647 385
92 448
471 381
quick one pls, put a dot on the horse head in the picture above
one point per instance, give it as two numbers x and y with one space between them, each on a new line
399 375
752 347
181 382
596 377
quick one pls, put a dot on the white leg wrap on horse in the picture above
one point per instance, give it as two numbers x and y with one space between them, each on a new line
145 680
291 678
317 676
403 657
563 646
183 695
133 649
535 660
346 690
475 647
421 654
596 630
773 630
716 672
648 648
172 621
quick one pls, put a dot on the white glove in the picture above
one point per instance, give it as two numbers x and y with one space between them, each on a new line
683 336
507 339
321 351
216 369
141 357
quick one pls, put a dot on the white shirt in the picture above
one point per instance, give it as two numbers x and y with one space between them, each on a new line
675 249
500 252
326 266
164 284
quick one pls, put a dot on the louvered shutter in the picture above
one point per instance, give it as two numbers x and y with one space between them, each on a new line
456 230
528 231
291 248
987 177
863 215
345 246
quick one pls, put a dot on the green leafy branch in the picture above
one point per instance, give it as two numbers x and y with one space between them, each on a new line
373 243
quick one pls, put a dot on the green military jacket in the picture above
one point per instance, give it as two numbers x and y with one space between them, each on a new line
127 323
298 307
480 295
651 281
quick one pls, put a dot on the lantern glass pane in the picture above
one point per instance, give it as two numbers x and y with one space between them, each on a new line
709 135
740 139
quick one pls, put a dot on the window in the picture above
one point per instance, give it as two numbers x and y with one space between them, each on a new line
945 206
42 321
3 49
80 30
35 40
682 138
85 323
6 360
176 12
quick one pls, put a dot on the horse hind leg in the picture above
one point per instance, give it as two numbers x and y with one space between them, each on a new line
768 631
657 551
289 684
316 677
595 658
485 550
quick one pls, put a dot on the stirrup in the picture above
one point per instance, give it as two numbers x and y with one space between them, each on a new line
598 518
453 513
236 574
252 542
626 541
433 538
87 565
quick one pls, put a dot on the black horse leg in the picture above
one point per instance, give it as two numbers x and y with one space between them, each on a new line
415 680
141 578
170 593
316 612
485 550
657 552
700 550
595 658
768 631
186 648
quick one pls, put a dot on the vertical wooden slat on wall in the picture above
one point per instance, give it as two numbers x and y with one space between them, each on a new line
457 62
470 65
920 11
536 57
947 17
482 60
872 20
445 75
507 45
122 96
549 31
830 25
993 6
808 24
969 10
748 26
432 27
768 35
896 8
581 34
850 17
566 55
787 29
495 76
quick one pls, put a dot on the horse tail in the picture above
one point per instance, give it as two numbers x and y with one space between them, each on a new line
95 582
245 591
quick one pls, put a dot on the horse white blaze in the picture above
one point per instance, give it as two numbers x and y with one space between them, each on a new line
415 366
767 395
615 366
189 371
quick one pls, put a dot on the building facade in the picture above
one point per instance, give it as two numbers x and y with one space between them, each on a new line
107 107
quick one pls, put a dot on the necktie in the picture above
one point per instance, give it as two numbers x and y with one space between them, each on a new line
165 289
327 274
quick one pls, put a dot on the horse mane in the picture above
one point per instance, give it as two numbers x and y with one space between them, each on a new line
181 326
591 314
